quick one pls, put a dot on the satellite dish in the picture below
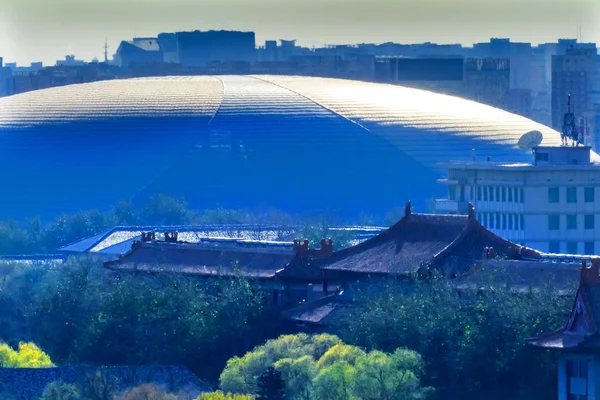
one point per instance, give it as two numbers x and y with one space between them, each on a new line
530 140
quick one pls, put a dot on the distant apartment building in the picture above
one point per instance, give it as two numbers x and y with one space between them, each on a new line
198 48
5 80
70 61
521 62
577 74
482 80
548 204
138 51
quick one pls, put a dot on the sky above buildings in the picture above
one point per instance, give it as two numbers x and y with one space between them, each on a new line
46 30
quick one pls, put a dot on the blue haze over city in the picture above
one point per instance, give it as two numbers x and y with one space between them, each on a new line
299 200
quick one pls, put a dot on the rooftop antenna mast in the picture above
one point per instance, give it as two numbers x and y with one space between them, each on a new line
569 130
106 50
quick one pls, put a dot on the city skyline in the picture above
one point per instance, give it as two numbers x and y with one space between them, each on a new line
60 27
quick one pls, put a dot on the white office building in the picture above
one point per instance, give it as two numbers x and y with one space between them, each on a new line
549 205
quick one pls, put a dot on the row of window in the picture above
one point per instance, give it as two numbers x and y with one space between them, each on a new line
589 222
589 248
589 195
502 221
500 194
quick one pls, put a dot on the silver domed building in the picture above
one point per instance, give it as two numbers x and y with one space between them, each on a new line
297 144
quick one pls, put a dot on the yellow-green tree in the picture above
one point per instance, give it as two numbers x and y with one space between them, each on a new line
218 395
28 355
321 367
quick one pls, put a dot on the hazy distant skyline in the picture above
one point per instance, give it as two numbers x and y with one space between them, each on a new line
47 30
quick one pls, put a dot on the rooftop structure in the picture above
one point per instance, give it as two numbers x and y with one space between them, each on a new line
578 341
118 240
242 142
547 204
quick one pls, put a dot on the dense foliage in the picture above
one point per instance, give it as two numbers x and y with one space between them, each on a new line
218 395
81 313
28 355
322 367
474 343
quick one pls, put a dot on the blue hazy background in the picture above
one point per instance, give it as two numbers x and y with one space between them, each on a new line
46 30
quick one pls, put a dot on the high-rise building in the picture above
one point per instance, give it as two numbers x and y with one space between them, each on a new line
482 80
549 204
577 74
197 49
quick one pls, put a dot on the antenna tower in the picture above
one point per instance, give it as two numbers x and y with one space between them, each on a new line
569 130
106 50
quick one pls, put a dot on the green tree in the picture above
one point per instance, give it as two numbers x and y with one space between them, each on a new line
60 391
396 376
145 392
218 395
335 382
241 373
298 375
270 385
473 342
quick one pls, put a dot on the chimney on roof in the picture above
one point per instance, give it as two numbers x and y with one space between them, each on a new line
471 211
171 237
326 247
407 209
148 236
301 246
589 272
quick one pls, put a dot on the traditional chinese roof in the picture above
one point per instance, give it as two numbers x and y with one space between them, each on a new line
581 330
198 259
450 243
319 312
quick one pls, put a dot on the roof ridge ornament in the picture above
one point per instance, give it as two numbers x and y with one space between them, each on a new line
407 209
471 211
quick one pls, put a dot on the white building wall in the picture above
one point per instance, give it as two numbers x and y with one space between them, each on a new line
493 195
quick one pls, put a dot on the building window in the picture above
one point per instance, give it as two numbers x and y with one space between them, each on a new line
554 222
491 189
452 192
485 193
472 193
553 195
571 221
516 217
497 193
510 193
498 223
554 247
571 195
479 193
589 221
491 226
510 221
571 247
522 196
503 194
589 194
522 225
517 196
503 221
589 248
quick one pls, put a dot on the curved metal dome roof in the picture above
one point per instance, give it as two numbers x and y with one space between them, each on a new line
300 143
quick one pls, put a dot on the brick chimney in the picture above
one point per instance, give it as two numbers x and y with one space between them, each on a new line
326 247
407 209
148 236
589 272
171 237
301 246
